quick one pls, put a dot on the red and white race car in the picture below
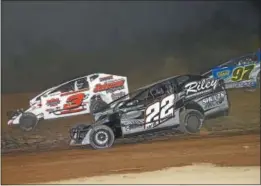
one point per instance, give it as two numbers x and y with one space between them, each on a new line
82 95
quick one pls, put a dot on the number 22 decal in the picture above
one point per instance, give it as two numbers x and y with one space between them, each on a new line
242 73
159 110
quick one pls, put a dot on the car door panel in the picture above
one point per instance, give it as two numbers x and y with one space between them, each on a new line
157 114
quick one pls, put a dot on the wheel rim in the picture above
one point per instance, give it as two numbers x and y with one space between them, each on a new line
193 123
28 124
101 138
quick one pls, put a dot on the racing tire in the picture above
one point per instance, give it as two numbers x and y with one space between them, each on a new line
28 121
191 121
101 137
97 105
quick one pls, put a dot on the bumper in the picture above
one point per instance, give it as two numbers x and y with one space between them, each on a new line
80 135
12 115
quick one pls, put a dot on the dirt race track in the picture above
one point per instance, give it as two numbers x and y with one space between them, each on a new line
62 164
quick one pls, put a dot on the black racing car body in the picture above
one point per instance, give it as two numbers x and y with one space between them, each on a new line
183 102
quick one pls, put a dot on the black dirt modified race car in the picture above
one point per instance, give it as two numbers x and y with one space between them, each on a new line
181 102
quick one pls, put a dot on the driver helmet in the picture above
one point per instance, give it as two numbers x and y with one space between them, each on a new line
158 91
80 84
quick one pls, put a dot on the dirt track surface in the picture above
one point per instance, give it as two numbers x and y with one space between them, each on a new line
44 165
243 150
244 115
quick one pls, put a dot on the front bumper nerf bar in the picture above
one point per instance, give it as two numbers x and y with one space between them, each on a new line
11 115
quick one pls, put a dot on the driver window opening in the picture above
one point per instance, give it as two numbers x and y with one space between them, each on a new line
68 87
81 84
159 91
248 60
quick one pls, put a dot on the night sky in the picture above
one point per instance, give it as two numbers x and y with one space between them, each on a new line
45 43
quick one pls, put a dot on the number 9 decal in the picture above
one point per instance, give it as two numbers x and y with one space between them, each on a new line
237 74
242 73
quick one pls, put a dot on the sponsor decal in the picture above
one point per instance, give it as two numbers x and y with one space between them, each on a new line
222 73
213 101
200 87
109 86
106 78
53 102
241 84
215 98
118 95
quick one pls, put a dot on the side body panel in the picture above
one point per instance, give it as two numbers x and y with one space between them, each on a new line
208 94
238 76
212 99
240 72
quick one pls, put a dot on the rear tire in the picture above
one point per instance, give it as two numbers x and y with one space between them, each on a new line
101 137
191 121
28 121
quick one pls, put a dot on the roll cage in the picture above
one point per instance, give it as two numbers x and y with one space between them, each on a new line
156 90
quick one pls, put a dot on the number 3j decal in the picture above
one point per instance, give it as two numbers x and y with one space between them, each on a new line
159 110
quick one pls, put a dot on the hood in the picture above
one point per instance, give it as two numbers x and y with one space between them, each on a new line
33 100
114 107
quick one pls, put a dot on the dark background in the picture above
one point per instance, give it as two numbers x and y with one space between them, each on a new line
46 43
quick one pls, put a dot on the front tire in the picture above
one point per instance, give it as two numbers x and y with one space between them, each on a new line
191 121
28 121
101 137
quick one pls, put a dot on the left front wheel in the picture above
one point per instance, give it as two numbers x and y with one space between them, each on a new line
28 121
101 137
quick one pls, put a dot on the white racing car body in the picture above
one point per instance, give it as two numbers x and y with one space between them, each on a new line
82 95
